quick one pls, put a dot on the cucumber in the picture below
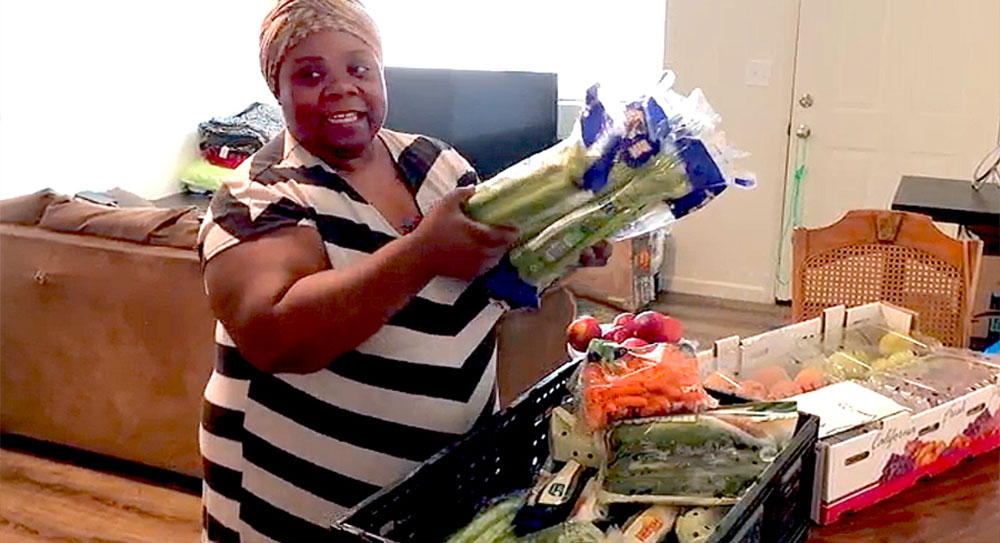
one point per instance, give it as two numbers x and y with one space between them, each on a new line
500 515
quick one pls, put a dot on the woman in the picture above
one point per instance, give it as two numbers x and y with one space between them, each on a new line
354 338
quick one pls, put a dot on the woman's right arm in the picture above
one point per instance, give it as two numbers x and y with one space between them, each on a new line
288 311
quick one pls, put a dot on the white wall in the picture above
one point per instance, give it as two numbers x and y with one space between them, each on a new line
97 95
578 39
728 249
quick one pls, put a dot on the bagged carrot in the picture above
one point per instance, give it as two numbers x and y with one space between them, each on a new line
627 384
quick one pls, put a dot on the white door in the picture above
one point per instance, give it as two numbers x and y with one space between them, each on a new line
885 88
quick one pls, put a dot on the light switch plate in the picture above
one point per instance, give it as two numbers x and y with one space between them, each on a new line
759 73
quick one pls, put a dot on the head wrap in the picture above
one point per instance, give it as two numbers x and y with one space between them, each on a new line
291 21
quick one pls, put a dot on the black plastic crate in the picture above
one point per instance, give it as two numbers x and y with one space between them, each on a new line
503 455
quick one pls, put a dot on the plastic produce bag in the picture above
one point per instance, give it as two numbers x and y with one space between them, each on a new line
662 381
706 459
783 376
492 525
698 524
625 171
651 525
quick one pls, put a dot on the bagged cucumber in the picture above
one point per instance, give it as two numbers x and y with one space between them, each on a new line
491 525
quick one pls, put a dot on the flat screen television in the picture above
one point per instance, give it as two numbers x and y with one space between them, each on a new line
494 119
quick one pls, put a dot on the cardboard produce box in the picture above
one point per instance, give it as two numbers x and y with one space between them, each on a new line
630 279
868 451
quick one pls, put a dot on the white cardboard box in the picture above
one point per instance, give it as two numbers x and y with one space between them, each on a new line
849 470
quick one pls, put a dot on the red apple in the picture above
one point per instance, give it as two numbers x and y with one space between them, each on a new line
624 319
645 325
581 331
618 334
634 342
656 327
673 330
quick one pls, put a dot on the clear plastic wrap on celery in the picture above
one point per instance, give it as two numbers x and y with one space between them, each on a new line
535 192
544 187
627 170
545 257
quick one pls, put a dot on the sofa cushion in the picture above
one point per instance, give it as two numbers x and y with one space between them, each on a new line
28 209
176 227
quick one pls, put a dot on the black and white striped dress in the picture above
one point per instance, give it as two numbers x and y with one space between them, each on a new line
284 454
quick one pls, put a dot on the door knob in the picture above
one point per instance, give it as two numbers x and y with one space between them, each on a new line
803 131
806 100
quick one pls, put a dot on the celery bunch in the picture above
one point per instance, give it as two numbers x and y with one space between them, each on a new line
535 192
546 256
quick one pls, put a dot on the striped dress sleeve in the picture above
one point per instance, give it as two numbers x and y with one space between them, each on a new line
246 208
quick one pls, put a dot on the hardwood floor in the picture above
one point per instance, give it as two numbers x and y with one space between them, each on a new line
44 500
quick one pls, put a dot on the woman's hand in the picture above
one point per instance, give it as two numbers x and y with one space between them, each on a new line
451 244
596 255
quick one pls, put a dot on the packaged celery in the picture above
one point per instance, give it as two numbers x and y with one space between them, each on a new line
629 167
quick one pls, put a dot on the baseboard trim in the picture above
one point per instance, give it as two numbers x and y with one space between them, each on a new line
718 289
98 462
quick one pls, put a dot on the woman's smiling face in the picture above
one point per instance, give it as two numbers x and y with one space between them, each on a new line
332 94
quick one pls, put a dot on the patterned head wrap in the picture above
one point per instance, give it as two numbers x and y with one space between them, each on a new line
291 21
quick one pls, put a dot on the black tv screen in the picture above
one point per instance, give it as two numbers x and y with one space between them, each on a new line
494 119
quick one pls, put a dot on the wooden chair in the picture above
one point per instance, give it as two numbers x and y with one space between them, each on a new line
892 256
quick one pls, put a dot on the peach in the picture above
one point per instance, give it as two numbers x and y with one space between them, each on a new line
810 379
784 389
755 390
771 375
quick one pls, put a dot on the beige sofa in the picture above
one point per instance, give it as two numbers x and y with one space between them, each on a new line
107 343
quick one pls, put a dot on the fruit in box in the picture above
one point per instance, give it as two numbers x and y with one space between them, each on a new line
618 334
634 342
770 375
784 389
810 379
768 383
624 319
754 390
718 380
656 327
581 331
894 360
647 328
848 365
894 342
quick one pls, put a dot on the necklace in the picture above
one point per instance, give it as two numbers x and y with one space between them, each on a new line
410 224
